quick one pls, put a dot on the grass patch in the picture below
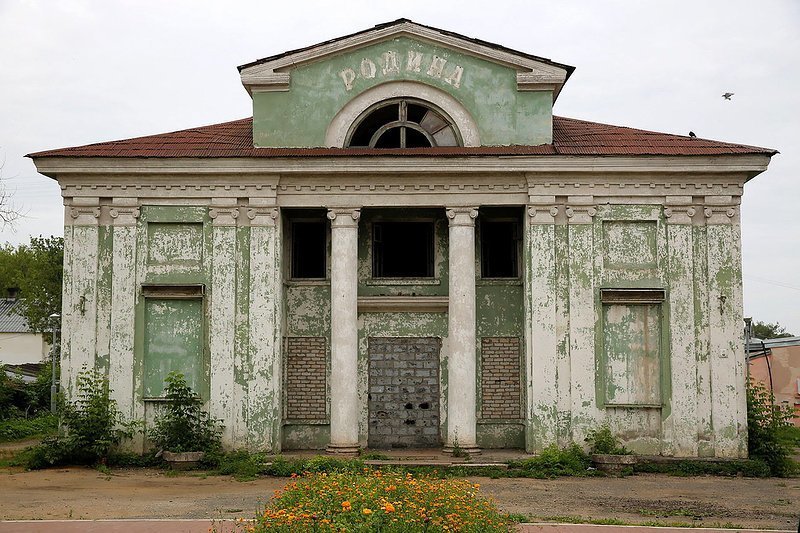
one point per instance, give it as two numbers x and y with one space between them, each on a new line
14 429
688 467
380 501
581 520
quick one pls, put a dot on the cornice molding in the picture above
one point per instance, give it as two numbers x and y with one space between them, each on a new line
532 167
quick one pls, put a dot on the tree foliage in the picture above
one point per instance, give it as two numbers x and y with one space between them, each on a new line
765 330
36 269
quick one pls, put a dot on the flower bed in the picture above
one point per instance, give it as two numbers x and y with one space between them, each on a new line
380 501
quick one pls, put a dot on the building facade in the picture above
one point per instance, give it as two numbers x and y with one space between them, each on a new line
404 247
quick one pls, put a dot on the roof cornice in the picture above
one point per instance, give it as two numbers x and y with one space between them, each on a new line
747 164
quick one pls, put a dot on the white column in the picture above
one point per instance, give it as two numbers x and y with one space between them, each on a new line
542 340
124 212
344 331
80 306
223 402
679 429
264 359
461 361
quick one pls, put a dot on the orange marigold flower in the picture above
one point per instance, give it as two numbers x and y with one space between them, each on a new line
389 508
367 511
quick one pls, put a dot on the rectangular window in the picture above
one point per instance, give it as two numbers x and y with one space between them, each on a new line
500 243
632 328
174 337
309 250
402 250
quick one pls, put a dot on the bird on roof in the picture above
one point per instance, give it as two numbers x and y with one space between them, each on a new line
692 135
727 96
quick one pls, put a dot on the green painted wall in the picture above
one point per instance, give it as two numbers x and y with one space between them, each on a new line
300 117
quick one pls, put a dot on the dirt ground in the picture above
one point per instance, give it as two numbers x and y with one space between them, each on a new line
83 493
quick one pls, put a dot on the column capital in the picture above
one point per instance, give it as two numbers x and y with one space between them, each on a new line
344 216
462 216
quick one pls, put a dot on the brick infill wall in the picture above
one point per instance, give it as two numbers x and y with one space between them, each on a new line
306 372
500 378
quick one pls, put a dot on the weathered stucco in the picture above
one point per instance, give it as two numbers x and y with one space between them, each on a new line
300 117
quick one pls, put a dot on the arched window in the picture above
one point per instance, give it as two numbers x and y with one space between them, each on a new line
403 123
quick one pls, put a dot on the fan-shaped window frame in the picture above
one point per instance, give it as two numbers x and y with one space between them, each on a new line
403 122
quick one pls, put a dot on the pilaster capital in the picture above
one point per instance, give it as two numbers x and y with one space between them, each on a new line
124 215
542 214
223 216
84 215
263 216
462 216
342 217
679 214
720 214
580 214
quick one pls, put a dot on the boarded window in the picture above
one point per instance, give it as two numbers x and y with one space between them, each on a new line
173 342
632 353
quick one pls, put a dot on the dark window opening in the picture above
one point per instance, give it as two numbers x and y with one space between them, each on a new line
309 250
499 249
402 250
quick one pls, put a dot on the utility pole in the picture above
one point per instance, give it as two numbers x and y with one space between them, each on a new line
54 357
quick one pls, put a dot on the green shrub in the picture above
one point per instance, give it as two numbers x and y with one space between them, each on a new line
19 399
91 426
554 461
766 423
182 425
603 441
24 428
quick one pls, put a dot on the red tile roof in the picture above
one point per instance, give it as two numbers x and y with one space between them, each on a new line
570 137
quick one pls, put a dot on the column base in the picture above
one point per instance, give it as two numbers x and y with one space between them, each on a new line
467 450
344 450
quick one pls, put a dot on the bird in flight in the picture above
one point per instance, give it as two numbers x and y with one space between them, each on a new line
727 96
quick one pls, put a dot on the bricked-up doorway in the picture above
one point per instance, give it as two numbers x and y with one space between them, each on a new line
403 392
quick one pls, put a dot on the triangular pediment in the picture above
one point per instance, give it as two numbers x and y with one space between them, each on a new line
532 72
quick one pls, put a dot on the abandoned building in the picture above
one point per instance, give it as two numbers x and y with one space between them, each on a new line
405 247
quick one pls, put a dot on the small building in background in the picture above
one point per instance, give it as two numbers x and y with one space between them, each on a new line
776 364
22 351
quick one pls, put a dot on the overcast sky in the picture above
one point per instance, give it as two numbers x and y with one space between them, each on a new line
74 72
